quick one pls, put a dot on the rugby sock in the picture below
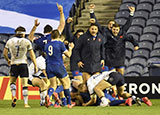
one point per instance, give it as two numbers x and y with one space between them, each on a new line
13 89
59 89
43 95
67 95
63 101
25 94
117 102
50 91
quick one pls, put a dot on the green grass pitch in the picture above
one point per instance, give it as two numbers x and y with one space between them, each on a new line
36 109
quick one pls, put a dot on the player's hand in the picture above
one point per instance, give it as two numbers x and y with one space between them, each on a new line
92 20
9 62
60 8
71 45
91 6
35 69
136 48
69 20
36 23
131 9
80 64
65 42
102 63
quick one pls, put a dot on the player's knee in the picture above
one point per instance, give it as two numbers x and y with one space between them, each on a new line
13 86
25 91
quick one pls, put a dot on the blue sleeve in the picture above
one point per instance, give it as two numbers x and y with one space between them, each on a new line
63 47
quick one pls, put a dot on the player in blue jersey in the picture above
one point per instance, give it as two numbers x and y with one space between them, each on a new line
55 66
47 30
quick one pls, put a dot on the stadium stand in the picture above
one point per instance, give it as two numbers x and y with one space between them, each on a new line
148 37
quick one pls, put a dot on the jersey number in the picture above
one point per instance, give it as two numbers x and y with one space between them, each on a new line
50 49
17 48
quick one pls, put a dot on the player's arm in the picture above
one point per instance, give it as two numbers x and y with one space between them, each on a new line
91 101
68 52
33 58
62 18
5 53
31 35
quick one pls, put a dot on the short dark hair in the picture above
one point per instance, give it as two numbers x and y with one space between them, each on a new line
55 34
21 29
116 25
111 20
79 30
93 24
47 29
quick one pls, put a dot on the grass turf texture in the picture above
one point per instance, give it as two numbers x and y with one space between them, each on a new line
36 109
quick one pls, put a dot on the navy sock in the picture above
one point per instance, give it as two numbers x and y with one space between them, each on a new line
50 91
63 101
117 102
67 95
59 89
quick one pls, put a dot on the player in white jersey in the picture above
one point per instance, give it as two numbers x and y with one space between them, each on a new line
97 83
39 79
18 46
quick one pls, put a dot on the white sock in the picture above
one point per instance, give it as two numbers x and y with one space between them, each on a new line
43 95
13 89
25 95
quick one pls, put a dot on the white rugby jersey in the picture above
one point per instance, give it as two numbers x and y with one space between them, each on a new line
41 65
18 48
95 79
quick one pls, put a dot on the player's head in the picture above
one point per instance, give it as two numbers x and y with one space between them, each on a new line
20 32
110 24
79 32
55 34
82 87
93 29
115 29
47 29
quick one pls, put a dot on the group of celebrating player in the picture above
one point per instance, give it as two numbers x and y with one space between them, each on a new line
96 62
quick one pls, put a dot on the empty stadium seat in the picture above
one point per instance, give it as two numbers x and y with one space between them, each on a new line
126 63
128 54
155 14
135 36
124 6
144 7
157 1
155 53
132 75
141 14
146 45
139 22
121 21
138 61
141 53
4 38
3 61
153 22
4 69
151 30
148 37
129 46
145 74
135 30
158 38
122 14
131 1
135 69
153 59
156 45
156 6
1 46
152 2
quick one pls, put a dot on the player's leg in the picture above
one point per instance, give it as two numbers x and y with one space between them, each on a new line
43 88
121 92
99 91
24 74
13 90
85 77
66 85
77 75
